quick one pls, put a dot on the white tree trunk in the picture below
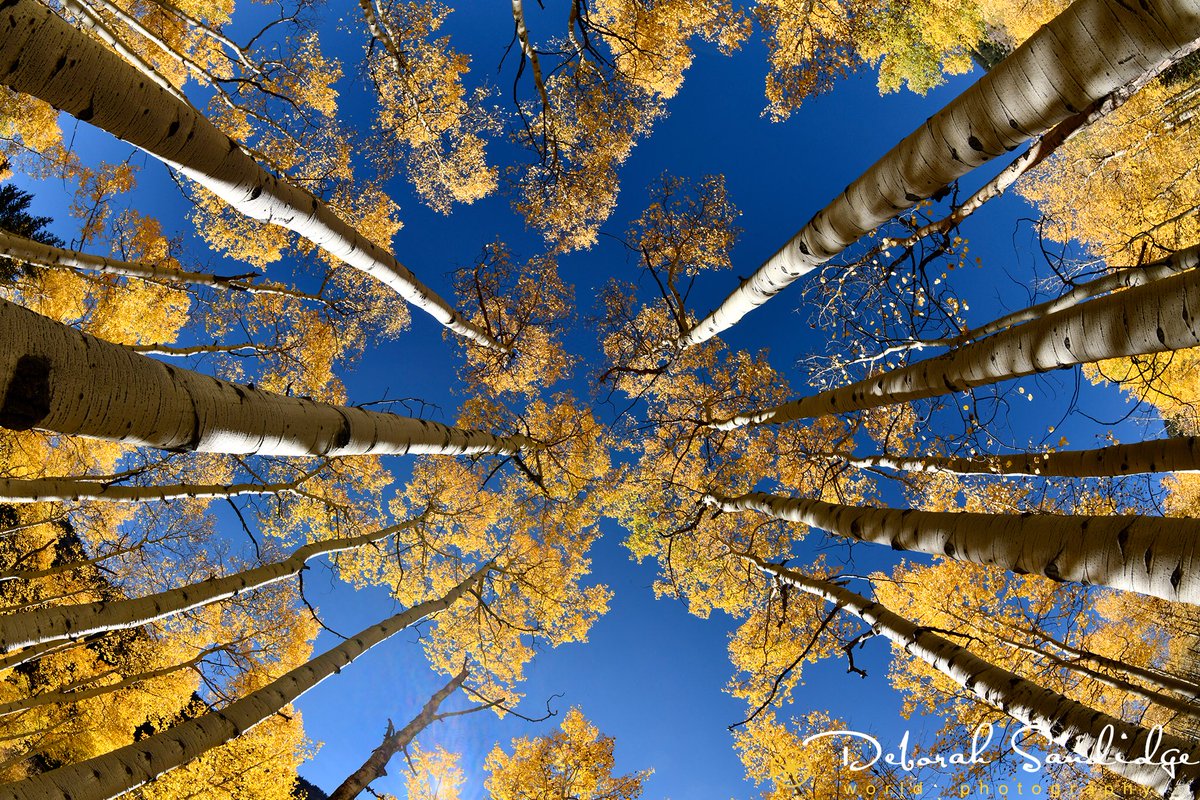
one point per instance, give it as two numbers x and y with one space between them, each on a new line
135 764
1151 318
31 252
65 490
1056 718
1176 454
56 378
1091 49
1158 556
52 623
44 56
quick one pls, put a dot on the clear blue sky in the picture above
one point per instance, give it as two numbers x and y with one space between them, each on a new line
652 676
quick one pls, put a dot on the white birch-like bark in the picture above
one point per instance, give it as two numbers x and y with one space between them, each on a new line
1114 281
66 490
56 378
1162 681
135 764
29 251
1151 318
1091 49
44 56
1085 731
64 696
1176 454
1168 701
42 625
1157 556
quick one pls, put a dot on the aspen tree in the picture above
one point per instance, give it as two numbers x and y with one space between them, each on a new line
1150 555
1101 738
1152 318
131 766
1032 90
56 63
59 379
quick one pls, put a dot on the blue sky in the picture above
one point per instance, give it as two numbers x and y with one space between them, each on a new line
651 675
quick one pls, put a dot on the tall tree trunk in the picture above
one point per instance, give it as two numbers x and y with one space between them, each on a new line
135 764
1079 57
62 490
1114 281
57 622
44 255
1152 318
375 766
44 56
1090 733
56 378
1176 454
1162 681
1158 556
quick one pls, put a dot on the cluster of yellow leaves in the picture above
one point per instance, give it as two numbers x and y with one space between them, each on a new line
434 774
424 107
651 42
576 762
583 137
524 309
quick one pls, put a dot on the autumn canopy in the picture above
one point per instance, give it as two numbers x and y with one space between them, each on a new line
457 335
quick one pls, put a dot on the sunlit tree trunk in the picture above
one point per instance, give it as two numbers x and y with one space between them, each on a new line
44 56
375 766
1080 729
56 378
1091 49
62 490
1157 678
1114 281
1167 701
1151 318
1158 556
42 625
1176 454
131 766
32 252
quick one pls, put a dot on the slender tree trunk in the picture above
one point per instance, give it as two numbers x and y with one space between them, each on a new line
1093 48
1115 281
56 378
1092 734
56 622
375 766
1158 556
132 766
1167 701
1152 318
44 56
44 255
63 490
65 696
1177 454
1162 681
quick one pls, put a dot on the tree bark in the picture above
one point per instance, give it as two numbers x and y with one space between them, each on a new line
63 490
56 378
1090 733
375 766
1091 49
57 622
1151 318
44 56
132 766
1176 454
44 255
1158 556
